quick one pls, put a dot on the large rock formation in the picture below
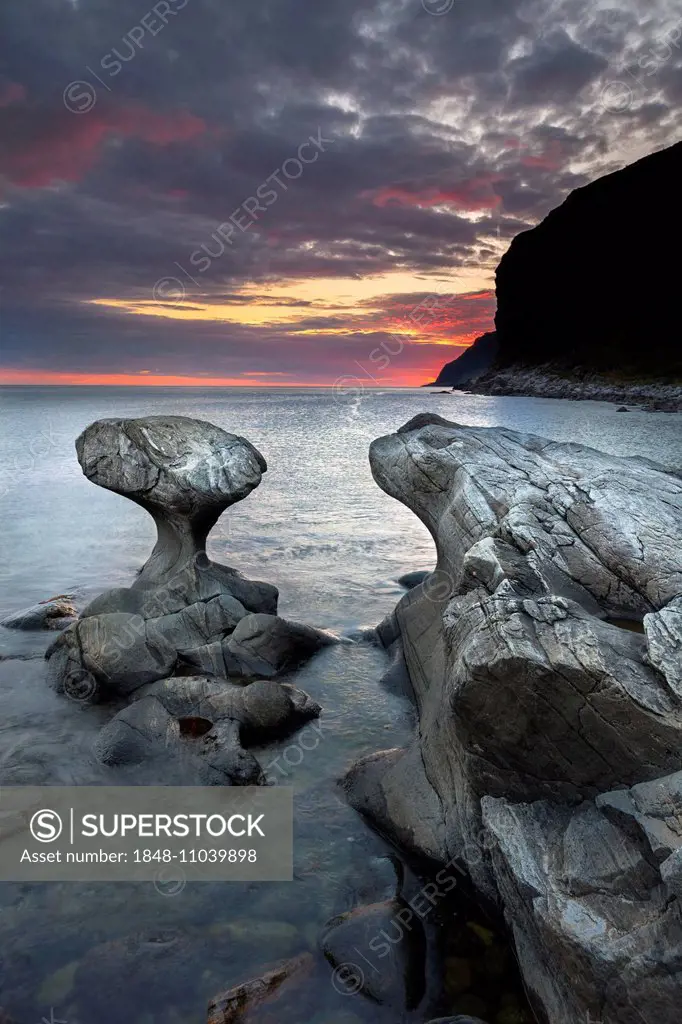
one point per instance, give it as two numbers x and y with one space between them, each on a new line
544 654
183 609
184 613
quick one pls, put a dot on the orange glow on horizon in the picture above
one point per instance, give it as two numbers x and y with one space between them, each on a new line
408 378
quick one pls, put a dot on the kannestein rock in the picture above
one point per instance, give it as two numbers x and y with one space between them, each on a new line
184 472
184 614
182 609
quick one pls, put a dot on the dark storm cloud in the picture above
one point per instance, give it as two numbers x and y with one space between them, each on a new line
555 71
132 133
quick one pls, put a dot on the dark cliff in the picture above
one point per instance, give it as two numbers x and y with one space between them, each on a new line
595 284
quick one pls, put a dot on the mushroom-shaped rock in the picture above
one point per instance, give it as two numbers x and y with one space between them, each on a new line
185 472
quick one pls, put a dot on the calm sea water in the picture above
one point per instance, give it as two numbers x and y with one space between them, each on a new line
322 531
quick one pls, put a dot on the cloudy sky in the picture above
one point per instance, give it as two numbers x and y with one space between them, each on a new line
273 191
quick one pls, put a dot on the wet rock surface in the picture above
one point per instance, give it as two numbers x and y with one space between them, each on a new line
54 613
205 722
549 736
379 948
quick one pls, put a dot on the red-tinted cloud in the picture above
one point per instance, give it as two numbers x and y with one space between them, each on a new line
551 158
48 146
11 92
473 194
459 319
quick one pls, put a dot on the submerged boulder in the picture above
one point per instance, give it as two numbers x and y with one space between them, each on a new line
279 993
374 952
544 657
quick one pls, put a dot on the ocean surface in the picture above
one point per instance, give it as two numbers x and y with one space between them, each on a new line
334 544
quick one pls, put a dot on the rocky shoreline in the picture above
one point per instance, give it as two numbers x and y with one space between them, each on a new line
548 381
543 657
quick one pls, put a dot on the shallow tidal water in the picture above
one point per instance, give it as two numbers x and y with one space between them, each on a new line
320 529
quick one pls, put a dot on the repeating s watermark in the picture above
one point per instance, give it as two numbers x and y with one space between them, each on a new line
352 386
293 755
438 7
348 979
619 94
170 881
173 289
80 96
46 826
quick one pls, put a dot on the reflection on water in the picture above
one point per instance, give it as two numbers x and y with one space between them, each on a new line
323 532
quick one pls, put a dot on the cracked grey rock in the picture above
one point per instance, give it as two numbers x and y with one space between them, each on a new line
205 723
592 919
184 472
260 645
550 737
267 645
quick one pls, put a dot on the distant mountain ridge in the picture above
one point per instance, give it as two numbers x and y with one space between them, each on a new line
472 363
593 288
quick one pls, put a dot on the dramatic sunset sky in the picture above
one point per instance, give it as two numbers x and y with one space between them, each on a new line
262 191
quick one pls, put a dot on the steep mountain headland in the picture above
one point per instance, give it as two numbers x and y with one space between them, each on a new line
588 297
472 364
